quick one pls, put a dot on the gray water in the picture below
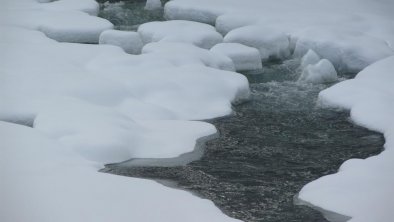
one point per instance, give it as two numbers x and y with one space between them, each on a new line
268 150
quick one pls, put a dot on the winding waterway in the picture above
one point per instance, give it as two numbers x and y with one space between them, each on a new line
268 149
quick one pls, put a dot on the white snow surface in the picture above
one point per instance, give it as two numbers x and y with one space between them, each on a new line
153 5
129 41
199 34
351 34
354 35
362 189
271 43
243 57
79 106
63 20
321 72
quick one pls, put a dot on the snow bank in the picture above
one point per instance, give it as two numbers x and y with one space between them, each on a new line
270 42
42 181
362 189
336 30
93 104
199 34
243 57
130 42
321 72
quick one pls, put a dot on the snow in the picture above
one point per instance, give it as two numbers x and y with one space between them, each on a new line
175 53
353 35
310 58
199 34
270 42
153 5
365 33
58 20
43 181
85 105
362 189
243 57
129 41
321 72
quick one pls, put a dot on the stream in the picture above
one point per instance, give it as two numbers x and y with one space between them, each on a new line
271 146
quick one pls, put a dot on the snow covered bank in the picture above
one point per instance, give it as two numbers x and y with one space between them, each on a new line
351 34
95 104
362 189
42 181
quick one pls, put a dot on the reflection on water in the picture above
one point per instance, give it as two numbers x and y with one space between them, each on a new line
272 146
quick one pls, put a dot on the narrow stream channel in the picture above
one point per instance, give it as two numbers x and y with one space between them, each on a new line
268 150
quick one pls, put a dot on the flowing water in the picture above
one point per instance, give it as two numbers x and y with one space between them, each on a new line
268 150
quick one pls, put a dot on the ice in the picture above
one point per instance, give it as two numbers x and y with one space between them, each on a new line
153 5
199 34
244 57
129 41
310 58
321 72
362 188
270 42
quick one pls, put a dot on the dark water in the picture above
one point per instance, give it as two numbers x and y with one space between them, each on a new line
268 150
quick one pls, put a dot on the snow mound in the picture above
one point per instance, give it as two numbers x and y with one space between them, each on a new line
244 57
199 34
185 54
349 51
130 42
153 5
321 72
270 42
310 58
362 189
189 10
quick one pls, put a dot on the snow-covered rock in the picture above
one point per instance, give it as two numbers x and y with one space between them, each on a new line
199 34
130 42
310 58
270 42
153 5
321 72
244 57
362 189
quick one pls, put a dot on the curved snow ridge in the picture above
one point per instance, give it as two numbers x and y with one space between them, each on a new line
362 189
343 36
